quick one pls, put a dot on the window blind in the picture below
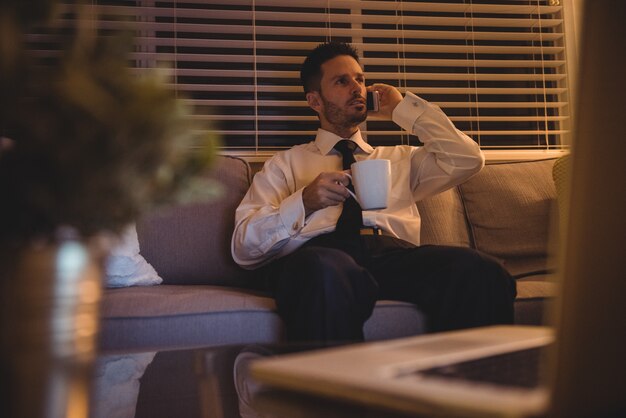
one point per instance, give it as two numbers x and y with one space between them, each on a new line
496 68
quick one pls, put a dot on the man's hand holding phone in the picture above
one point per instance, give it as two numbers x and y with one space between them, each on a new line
382 99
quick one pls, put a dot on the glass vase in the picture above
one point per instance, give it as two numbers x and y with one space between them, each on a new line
49 327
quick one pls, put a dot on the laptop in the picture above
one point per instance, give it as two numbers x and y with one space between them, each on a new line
577 368
487 371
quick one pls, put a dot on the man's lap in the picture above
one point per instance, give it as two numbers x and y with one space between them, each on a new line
455 287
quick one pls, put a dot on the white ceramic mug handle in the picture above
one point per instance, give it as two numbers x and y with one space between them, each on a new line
350 191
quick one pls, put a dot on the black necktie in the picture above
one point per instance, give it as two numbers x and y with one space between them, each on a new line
351 218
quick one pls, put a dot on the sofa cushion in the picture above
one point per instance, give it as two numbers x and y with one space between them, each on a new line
394 319
509 207
172 300
561 174
536 287
171 316
190 244
443 220
534 296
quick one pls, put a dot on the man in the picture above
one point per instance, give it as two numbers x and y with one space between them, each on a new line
326 275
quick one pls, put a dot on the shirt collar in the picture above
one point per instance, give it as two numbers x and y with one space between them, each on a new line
326 141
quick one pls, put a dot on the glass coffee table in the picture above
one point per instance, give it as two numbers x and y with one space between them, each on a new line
207 382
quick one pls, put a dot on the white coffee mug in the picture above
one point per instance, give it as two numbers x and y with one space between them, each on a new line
372 182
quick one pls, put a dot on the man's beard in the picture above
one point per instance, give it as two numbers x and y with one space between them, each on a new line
338 116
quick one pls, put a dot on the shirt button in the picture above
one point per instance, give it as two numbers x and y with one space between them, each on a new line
295 226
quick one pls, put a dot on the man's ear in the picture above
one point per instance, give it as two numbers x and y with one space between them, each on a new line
314 101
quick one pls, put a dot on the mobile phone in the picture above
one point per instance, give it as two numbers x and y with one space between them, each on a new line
372 101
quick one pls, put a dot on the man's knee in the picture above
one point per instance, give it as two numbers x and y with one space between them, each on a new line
319 265
328 273
482 270
479 292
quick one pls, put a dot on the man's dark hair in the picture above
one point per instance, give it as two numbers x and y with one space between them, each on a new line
311 72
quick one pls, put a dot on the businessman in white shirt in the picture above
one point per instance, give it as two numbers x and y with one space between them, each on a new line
327 266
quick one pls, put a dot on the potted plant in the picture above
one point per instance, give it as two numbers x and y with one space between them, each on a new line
85 147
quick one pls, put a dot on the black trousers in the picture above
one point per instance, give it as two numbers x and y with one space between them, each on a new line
327 289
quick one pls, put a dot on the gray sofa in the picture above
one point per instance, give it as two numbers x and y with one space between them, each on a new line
206 299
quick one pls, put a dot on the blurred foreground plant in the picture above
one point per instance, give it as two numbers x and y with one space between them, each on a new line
86 143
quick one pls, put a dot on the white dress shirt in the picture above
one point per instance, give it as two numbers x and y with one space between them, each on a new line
270 221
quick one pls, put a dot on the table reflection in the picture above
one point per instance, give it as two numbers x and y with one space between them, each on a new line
208 383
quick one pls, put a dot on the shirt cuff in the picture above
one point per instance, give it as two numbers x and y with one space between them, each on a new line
292 213
408 111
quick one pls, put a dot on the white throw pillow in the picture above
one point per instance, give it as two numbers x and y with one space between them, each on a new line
126 267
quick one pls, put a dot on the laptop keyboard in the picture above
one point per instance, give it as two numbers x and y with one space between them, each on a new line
517 368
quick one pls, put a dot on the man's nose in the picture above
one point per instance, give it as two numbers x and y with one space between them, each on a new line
356 88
